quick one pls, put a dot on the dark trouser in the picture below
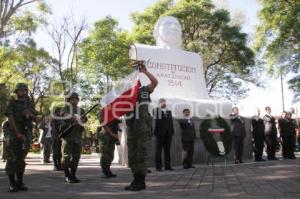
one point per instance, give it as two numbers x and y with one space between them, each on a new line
271 141
47 149
71 154
107 151
298 140
16 153
56 149
28 141
4 150
137 151
163 142
259 147
238 142
188 153
288 147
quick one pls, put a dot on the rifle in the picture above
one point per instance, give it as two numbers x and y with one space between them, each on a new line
68 130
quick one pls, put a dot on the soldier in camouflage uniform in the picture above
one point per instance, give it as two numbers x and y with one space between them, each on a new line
73 141
56 141
108 139
138 126
20 113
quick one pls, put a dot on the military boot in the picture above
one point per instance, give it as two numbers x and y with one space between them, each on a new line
68 177
140 185
105 171
21 186
73 175
111 174
12 184
55 166
133 183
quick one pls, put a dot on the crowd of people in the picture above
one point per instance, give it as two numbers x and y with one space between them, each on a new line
266 131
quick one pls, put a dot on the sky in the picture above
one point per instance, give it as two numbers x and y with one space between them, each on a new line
93 10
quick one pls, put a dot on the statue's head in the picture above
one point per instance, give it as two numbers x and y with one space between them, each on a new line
167 32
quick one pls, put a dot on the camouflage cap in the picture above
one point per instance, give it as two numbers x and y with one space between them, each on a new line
73 95
21 86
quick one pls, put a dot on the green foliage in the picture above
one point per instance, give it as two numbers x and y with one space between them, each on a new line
104 54
3 101
278 38
26 63
14 17
207 31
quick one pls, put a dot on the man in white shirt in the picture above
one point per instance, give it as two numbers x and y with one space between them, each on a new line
45 139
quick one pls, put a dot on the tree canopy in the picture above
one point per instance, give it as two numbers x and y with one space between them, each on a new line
92 62
228 62
278 39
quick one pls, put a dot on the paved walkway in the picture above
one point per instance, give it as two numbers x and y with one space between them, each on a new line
271 179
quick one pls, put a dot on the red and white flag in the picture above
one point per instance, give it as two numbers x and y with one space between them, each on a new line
121 99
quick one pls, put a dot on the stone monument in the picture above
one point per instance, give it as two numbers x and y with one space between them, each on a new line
181 82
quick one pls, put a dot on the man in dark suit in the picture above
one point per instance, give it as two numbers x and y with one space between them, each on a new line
283 127
238 133
287 129
187 139
258 133
163 132
270 134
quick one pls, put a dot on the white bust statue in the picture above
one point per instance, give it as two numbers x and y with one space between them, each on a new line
179 72
167 32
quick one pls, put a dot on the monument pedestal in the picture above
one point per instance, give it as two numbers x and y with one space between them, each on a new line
200 153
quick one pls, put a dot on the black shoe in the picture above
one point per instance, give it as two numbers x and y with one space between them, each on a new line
69 180
105 176
158 169
73 175
75 179
105 171
21 186
149 171
186 167
241 161
13 188
192 167
169 169
137 185
112 175
236 161
132 184
12 184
